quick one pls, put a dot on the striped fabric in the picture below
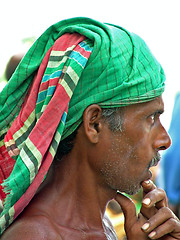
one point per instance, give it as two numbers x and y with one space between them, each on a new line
35 134
74 63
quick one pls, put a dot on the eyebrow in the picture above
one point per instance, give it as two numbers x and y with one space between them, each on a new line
158 112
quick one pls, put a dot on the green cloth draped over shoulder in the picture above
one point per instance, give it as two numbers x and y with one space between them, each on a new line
102 63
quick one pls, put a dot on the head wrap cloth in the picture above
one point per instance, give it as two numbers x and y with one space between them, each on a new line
74 63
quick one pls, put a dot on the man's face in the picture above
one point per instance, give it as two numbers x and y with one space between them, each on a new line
133 151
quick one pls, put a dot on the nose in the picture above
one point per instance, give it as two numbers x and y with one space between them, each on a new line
163 140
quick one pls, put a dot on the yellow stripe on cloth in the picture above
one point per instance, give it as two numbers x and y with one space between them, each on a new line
3 220
55 64
28 162
23 129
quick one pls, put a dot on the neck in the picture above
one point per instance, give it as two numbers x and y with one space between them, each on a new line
72 188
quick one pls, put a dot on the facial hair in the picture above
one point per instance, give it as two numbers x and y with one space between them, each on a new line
155 160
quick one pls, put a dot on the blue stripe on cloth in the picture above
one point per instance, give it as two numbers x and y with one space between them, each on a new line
85 46
42 95
63 118
53 75
78 58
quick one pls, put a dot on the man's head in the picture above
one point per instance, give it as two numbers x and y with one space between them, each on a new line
123 143
129 154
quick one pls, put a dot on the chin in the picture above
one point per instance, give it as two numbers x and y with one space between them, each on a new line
132 190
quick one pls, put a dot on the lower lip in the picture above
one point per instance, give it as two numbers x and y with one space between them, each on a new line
149 175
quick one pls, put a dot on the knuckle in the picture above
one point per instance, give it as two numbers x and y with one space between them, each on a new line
162 191
151 194
166 211
160 195
172 223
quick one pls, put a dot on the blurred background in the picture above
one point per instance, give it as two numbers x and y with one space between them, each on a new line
156 21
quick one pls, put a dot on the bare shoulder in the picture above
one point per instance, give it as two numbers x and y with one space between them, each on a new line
32 228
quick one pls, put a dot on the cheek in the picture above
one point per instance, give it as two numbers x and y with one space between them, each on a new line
123 166
125 149
135 155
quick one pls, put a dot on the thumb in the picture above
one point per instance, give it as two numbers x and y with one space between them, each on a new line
128 208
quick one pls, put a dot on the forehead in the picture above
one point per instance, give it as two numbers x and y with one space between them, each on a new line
156 105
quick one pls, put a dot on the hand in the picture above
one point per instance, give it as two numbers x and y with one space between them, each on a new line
155 220
133 223
162 222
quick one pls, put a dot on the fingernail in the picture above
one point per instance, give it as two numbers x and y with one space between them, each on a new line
152 234
147 182
145 226
146 201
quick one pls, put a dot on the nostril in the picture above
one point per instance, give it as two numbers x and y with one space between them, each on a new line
162 148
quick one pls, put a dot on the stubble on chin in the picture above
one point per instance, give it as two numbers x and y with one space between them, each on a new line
132 190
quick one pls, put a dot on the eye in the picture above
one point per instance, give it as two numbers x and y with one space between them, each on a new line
152 118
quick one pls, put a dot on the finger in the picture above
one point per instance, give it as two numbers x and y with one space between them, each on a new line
154 199
152 202
132 224
128 208
158 219
148 212
148 186
164 229
141 219
157 197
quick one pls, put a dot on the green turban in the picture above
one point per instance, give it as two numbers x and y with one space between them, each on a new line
121 70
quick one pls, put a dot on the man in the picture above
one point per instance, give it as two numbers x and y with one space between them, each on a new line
88 128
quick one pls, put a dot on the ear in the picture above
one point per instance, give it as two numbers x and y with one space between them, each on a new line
92 122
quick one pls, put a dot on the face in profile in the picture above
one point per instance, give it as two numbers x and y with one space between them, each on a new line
135 149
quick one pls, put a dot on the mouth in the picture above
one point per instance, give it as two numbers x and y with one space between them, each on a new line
154 162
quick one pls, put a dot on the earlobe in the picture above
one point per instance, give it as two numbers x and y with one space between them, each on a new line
92 122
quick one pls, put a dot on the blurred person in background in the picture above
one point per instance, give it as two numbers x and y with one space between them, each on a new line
12 65
10 68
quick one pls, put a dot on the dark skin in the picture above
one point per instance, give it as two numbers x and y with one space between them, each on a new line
72 200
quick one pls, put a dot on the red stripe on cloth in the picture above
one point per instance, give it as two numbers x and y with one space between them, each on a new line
30 100
67 40
30 192
6 163
49 83
43 132
6 167
8 137
83 52
2 193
